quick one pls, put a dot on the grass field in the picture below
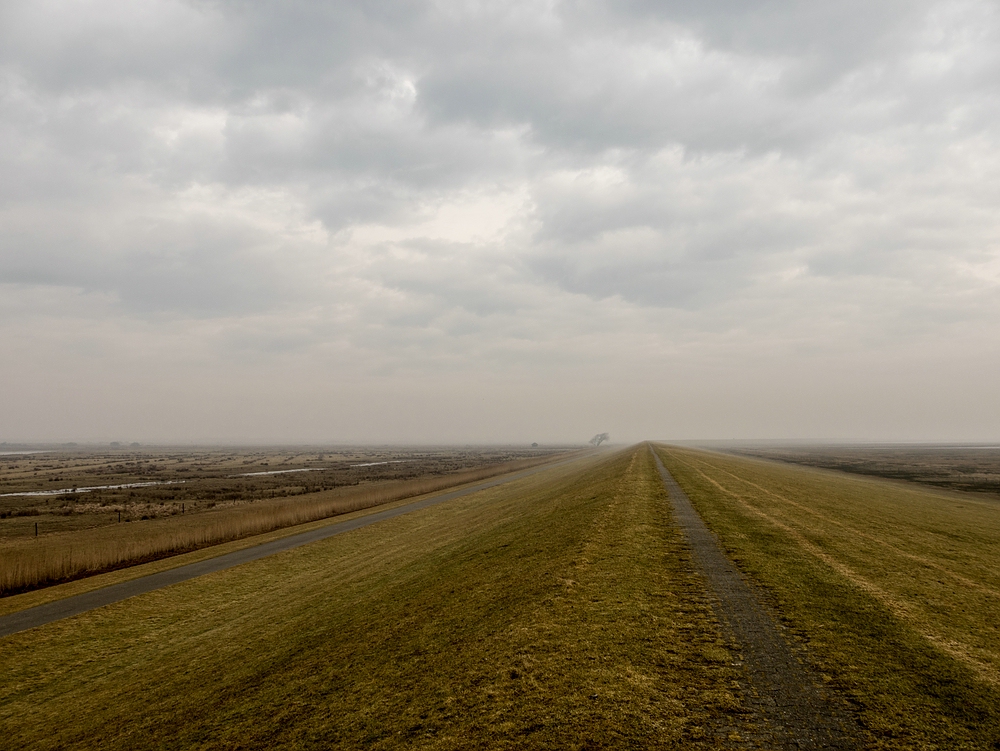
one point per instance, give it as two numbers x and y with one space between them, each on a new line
30 562
559 611
974 469
895 589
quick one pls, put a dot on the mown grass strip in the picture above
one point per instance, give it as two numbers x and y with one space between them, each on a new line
67 608
33 598
894 588
560 611
29 563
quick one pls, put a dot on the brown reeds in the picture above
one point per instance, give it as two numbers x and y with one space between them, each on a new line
37 562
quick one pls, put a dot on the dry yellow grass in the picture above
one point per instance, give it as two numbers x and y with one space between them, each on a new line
895 587
556 612
34 562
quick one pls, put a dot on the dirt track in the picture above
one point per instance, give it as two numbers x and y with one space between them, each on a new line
788 708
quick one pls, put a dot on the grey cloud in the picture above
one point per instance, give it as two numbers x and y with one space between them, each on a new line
192 268
709 75
80 47
686 175
479 281
799 26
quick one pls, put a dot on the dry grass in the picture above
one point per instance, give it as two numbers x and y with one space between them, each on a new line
896 588
556 612
33 562
198 480
966 468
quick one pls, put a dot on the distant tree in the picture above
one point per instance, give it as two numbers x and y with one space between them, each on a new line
600 438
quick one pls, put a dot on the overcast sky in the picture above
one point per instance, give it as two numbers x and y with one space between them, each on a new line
492 222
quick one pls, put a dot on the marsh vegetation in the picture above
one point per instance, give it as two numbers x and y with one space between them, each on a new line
200 499
968 468
559 611
893 588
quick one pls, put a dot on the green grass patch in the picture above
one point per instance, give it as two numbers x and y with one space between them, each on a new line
559 611
27 563
895 589
25 600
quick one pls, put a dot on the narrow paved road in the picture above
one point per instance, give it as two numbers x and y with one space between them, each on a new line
70 606
790 708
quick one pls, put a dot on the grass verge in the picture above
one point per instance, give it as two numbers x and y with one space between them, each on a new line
896 589
29 563
24 600
558 611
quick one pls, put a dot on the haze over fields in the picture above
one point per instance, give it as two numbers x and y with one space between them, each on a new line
463 222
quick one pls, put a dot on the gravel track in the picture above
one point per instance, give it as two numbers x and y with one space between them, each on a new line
788 708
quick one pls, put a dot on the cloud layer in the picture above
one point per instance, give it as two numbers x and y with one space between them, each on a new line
499 221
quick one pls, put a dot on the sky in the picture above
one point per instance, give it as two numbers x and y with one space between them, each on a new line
483 222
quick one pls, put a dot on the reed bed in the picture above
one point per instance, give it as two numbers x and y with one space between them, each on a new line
32 563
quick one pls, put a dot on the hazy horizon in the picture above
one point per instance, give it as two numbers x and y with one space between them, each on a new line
405 223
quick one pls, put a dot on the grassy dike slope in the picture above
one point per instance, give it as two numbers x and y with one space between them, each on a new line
896 589
559 611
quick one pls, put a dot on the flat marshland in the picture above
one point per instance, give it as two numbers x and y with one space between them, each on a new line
142 505
971 468
557 611
893 589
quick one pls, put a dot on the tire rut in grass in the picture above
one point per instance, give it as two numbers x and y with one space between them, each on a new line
788 706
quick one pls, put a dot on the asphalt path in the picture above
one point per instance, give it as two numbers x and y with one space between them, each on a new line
70 606
790 708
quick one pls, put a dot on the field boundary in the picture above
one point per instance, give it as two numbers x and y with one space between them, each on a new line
50 612
794 711
35 562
